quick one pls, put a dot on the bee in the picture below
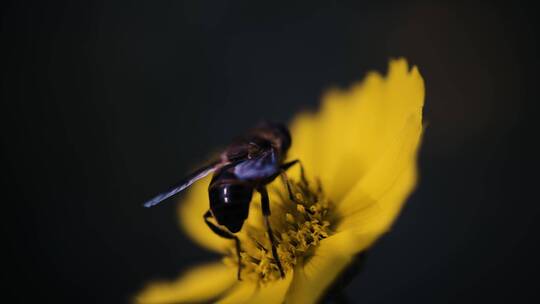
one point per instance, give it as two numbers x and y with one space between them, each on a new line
248 164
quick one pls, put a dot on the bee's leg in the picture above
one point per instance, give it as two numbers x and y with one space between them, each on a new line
285 180
225 234
265 203
286 167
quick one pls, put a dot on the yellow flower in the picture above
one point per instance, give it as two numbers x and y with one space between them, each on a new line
359 154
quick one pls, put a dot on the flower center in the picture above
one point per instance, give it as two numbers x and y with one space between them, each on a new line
298 226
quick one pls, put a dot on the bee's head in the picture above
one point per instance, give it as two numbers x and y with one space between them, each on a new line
279 133
285 136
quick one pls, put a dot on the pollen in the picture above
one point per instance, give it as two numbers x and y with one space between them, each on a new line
298 223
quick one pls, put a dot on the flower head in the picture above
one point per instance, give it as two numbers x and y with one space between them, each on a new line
359 154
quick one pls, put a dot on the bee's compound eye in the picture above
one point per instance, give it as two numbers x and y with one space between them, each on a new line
284 135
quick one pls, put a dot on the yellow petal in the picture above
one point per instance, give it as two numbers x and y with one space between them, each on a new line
354 127
312 279
374 202
241 293
376 218
191 210
304 142
272 293
248 292
197 285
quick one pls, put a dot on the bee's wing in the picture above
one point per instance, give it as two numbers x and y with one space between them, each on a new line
263 166
186 182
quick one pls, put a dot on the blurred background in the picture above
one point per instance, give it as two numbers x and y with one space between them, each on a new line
105 103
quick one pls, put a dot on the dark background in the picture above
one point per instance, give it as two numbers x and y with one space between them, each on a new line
105 103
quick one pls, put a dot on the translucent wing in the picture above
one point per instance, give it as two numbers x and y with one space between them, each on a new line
263 166
186 182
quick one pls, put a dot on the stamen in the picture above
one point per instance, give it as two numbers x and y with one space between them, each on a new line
298 229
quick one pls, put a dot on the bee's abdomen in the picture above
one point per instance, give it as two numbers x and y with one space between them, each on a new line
229 203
